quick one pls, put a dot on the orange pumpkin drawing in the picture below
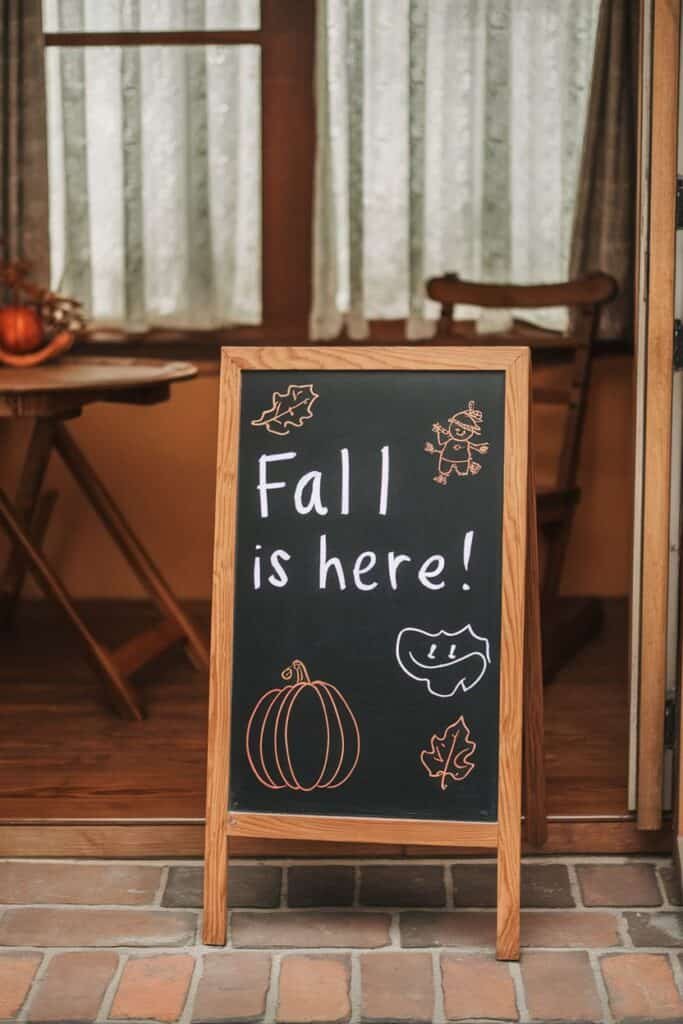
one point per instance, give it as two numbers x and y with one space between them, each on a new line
320 713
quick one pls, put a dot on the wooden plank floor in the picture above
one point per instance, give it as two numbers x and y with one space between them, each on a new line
63 754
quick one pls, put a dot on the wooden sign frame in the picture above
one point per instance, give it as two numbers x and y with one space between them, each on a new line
503 835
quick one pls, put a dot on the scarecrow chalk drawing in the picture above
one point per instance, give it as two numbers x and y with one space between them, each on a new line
454 444
446 662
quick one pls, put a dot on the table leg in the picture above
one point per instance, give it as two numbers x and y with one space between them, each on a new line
120 690
28 491
129 545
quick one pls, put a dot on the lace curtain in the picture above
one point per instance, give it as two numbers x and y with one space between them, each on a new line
449 139
154 160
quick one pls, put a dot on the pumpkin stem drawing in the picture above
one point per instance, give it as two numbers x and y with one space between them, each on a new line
297 667
302 736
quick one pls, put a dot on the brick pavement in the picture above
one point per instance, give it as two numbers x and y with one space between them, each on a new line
339 941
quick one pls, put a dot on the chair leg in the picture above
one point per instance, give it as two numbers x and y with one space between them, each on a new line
119 689
128 543
30 483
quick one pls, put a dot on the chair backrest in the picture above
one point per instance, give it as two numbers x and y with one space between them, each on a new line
583 297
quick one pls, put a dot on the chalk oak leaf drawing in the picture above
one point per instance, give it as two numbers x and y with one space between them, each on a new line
449 757
290 408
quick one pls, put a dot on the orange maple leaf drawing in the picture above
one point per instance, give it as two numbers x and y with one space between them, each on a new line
289 409
449 756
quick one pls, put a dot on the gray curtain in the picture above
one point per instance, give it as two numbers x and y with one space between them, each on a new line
23 141
604 225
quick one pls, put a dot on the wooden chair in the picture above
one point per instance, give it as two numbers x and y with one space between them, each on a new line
567 623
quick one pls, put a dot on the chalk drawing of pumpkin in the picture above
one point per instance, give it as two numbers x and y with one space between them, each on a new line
302 736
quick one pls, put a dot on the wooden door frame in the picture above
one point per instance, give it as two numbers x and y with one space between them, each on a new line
658 409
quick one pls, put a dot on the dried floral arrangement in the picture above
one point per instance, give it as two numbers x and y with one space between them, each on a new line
36 324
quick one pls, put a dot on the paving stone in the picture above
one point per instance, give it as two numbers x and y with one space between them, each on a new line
249 885
477 987
397 987
307 929
314 990
543 885
318 885
449 928
43 926
672 884
17 971
45 882
618 885
398 885
659 929
641 986
153 988
73 987
474 885
560 987
570 928
233 986
561 928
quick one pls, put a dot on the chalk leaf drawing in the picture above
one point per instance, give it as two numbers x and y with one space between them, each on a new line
449 757
303 735
454 444
290 408
446 662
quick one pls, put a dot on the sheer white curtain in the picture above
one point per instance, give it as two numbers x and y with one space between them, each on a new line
449 138
154 161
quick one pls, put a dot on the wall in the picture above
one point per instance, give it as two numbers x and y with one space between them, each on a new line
159 463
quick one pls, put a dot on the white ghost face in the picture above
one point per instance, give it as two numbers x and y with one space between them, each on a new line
446 662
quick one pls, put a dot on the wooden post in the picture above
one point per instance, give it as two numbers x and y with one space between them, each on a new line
535 821
220 688
512 665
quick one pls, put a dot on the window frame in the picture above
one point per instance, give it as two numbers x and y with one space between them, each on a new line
286 38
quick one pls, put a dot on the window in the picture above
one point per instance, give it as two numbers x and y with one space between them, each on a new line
182 151
166 153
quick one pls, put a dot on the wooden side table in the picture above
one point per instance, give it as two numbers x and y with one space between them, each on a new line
50 394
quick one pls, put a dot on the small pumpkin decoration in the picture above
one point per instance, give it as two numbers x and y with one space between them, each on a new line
302 736
37 324
21 329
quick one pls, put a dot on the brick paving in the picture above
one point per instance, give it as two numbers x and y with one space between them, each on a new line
343 941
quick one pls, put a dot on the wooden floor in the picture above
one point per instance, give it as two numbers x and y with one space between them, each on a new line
63 754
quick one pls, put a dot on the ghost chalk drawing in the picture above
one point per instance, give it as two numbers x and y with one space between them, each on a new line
446 662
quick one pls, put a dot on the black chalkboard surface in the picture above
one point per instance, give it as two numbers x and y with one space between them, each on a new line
368 604
377 565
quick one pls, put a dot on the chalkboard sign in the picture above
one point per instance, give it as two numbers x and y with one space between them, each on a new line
368 596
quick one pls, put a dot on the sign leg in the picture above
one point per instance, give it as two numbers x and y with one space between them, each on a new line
509 890
216 890
536 826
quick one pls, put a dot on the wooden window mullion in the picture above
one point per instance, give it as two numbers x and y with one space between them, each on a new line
288 154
